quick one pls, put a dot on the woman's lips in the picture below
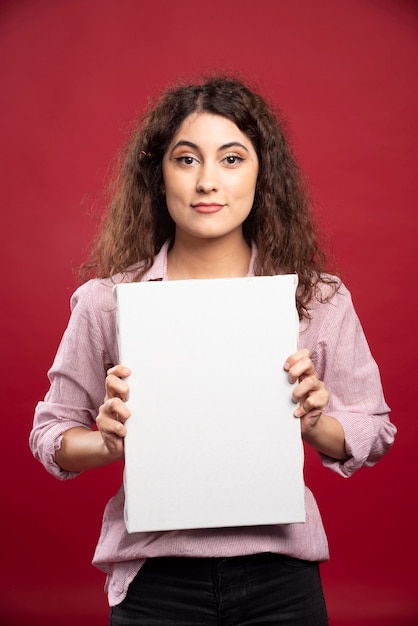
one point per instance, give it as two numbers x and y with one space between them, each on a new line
207 207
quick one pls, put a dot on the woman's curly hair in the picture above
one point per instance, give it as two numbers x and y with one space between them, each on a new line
281 224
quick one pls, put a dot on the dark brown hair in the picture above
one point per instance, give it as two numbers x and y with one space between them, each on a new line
281 224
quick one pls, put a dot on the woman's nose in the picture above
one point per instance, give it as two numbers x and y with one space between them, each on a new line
208 179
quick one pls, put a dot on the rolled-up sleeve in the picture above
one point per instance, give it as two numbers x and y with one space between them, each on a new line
77 377
344 362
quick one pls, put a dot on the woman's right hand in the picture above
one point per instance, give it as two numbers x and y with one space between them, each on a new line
114 412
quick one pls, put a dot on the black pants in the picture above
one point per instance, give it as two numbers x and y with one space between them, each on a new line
256 590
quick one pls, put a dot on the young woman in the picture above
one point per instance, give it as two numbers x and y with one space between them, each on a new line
209 188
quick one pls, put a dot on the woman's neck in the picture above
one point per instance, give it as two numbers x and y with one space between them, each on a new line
208 258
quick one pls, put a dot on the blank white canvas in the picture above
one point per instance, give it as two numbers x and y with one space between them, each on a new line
212 441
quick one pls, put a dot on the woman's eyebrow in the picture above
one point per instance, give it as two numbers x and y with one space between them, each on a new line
189 144
225 146
232 144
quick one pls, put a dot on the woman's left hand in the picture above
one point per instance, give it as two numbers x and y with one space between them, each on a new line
310 392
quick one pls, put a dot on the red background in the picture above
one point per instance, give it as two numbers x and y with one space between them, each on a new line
73 76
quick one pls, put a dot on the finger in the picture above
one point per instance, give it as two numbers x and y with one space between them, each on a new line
119 370
116 409
295 357
116 387
309 420
306 386
110 428
302 368
304 411
112 417
114 444
314 403
108 425
299 364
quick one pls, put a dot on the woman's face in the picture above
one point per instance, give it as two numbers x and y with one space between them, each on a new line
210 172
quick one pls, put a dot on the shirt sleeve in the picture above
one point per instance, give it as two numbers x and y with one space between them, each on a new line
344 362
77 376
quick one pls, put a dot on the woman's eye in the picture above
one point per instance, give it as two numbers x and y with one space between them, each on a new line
233 159
185 160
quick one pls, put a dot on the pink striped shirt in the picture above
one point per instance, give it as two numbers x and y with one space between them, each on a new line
89 347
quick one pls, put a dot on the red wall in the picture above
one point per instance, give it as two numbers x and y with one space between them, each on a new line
73 75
